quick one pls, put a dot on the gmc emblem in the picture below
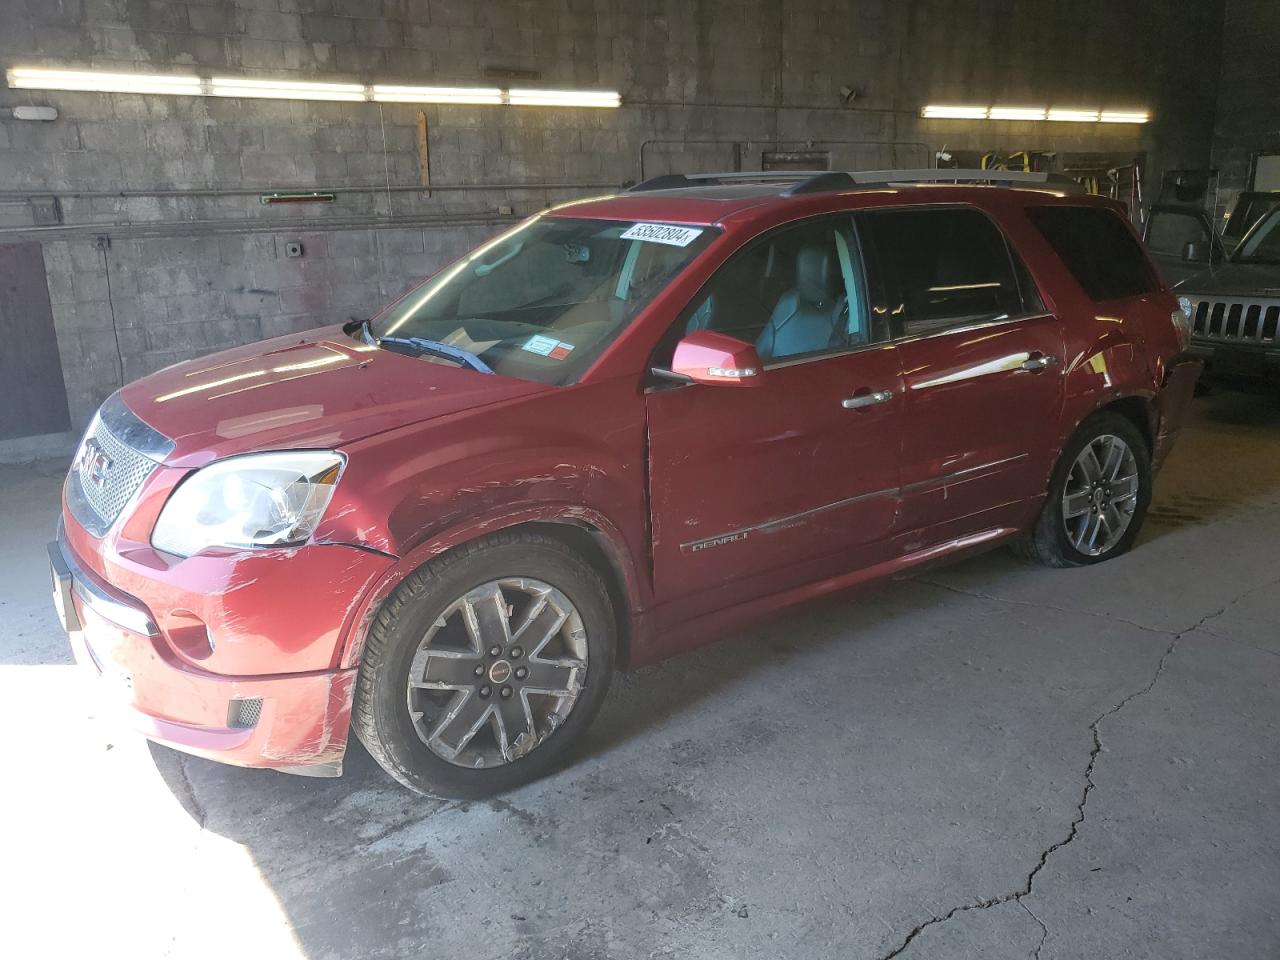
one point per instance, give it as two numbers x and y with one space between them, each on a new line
94 464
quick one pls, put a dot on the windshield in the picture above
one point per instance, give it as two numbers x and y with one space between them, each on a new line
1168 231
543 300
1262 243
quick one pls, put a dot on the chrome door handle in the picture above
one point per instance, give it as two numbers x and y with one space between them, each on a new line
1038 363
860 400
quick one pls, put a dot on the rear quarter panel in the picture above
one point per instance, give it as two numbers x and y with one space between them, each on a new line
1115 349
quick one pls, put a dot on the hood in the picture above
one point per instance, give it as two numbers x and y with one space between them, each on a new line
1234 280
319 389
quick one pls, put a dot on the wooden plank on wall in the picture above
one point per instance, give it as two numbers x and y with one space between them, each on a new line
424 157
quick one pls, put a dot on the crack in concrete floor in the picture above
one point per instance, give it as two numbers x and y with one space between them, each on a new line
1095 729
1072 831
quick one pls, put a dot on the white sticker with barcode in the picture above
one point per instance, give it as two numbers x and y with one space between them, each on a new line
663 233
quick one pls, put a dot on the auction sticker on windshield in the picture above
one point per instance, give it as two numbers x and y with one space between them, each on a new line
547 347
663 233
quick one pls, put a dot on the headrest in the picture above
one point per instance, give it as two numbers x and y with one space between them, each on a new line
815 275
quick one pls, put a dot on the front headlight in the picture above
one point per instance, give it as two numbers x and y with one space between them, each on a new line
257 500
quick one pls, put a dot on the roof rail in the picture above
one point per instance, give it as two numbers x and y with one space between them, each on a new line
1012 178
674 181
824 181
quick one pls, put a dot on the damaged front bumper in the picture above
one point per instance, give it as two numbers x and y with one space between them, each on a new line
296 722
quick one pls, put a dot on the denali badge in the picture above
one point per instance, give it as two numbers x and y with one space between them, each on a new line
93 464
716 541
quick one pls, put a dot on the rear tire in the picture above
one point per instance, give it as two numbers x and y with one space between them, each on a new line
1098 496
459 694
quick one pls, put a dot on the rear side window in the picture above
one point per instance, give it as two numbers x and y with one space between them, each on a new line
1098 249
942 268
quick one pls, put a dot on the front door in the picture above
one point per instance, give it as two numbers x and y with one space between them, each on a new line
754 489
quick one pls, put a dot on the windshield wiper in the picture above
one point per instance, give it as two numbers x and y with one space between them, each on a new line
438 349
420 344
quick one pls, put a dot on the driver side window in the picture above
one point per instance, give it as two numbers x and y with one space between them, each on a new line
799 291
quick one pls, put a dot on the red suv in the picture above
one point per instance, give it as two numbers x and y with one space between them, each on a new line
610 434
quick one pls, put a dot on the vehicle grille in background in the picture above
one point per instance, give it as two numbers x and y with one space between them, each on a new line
108 470
244 714
1247 321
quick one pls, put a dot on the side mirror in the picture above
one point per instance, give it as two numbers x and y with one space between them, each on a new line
1197 251
705 356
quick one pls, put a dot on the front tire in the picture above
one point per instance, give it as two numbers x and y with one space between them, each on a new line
485 666
1098 496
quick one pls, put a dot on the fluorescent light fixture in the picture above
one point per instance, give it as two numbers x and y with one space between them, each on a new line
389 93
1017 113
284 89
564 98
35 78
1120 116
936 111
31 78
1074 116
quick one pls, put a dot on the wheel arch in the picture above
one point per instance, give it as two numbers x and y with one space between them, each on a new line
594 546
1138 410
592 537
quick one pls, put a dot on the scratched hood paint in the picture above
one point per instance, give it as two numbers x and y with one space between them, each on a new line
318 389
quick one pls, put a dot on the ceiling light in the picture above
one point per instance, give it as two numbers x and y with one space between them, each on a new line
30 78
564 98
284 89
1017 113
1074 116
385 93
1120 116
936 111
33 78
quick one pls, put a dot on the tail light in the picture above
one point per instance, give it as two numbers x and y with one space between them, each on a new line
1181 320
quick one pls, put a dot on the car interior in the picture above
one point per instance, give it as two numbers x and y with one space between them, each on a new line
803 291
798 292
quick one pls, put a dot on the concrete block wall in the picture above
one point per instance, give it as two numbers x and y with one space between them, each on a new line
166 249
1248 112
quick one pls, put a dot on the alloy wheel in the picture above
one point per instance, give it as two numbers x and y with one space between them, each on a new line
1101 495
498 672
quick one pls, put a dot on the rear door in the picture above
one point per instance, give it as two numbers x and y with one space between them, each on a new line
982 365
757 489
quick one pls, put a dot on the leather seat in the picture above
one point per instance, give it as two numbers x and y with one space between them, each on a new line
804 320
701 318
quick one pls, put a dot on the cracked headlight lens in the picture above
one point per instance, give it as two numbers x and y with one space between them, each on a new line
256 500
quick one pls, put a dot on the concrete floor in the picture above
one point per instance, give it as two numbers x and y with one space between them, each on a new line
990 760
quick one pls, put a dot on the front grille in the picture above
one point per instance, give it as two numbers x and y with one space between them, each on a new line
115 457
1236 320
